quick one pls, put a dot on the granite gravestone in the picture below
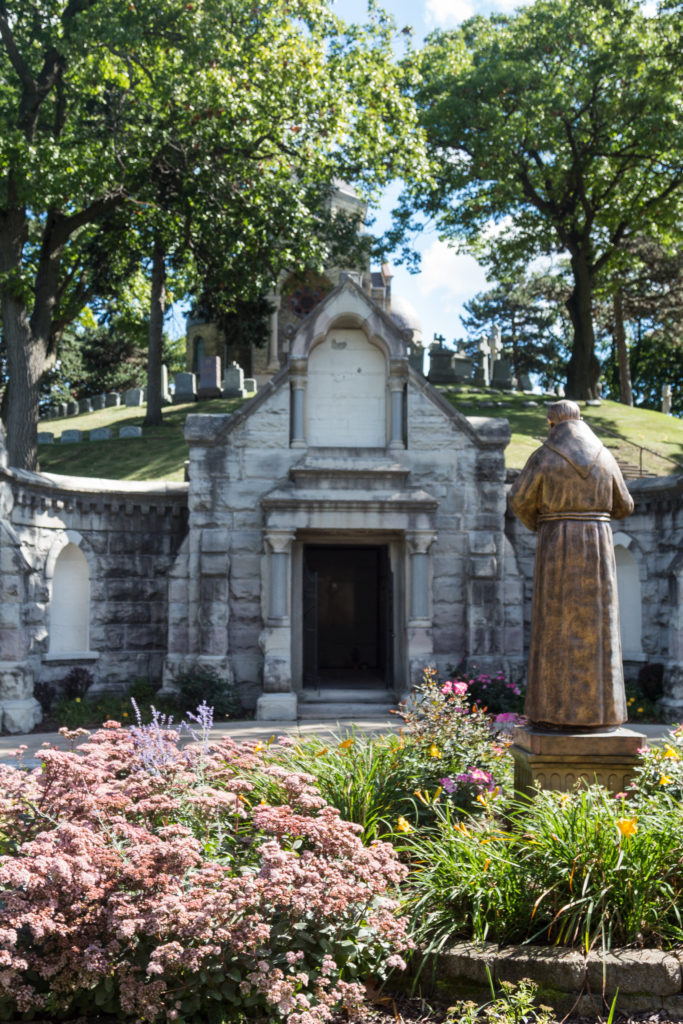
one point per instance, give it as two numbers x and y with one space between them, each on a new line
233 382
209 377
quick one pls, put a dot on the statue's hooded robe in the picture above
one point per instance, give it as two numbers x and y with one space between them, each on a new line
567 492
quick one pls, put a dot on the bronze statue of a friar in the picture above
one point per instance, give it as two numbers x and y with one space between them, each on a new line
568 491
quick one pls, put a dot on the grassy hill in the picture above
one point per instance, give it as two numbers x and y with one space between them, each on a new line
632 434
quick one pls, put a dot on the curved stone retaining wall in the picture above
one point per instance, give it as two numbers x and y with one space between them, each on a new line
569 982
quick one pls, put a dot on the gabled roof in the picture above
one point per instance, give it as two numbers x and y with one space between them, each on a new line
348 306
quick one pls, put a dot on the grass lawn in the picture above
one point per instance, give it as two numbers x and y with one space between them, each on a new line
158 455
631 434
623 430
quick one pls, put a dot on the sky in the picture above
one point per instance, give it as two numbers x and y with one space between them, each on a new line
447 279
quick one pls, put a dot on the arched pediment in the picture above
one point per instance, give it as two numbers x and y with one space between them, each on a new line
348 307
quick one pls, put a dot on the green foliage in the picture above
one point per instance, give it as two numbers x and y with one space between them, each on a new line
447 752
200 683
578 869
554 130
196 140
528 311
516 1004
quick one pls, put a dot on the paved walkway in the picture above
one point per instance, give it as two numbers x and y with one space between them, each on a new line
238 730
251 730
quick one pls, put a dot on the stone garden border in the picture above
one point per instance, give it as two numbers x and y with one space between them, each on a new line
568 981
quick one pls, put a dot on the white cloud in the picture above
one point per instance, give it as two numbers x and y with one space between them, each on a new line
457 275
447 13
450 13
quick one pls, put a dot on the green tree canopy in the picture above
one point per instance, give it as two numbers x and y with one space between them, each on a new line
556 130
157 129
528 311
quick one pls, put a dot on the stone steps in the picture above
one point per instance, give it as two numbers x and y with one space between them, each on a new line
340 703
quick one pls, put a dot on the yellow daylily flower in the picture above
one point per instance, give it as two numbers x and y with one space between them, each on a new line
664 780
627 826
404 826
487 862
670 752
346 744
434 751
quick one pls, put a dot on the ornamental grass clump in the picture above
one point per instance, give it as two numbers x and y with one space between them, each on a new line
149 882
581 869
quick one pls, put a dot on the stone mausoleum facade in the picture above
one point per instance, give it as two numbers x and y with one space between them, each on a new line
340 532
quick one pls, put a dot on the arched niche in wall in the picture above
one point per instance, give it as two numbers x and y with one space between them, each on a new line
69 625
346 396
630 598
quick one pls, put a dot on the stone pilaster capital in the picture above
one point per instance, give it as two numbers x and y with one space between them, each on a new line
398 372
279 540
420 541
298 369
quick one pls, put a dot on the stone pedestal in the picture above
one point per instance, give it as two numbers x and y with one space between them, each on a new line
558 760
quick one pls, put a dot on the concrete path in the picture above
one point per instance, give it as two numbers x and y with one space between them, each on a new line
238 730
256 731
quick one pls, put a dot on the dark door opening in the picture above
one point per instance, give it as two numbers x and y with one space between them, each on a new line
347 616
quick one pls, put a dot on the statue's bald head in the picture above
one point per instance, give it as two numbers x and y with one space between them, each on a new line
564 410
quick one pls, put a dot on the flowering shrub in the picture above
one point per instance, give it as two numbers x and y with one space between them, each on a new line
495 693
146 881
660 769
447 751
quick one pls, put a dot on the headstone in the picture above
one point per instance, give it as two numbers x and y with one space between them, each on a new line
209 377
441 365
530 404
112 399
71 436
133 397
525 382
502 374
45 437
666 399
559 391
62 410
185 388
462 367
250 385
97 402
100 434
593 401
130 431
72 408
233 382
84 405
165 396
482 376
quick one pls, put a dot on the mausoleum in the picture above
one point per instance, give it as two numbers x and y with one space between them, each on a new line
341 531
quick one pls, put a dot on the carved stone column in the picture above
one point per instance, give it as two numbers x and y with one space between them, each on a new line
273 353
298 368
420 641
278 702
397 389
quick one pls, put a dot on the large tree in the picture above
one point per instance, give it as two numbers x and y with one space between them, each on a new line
556 130
125 126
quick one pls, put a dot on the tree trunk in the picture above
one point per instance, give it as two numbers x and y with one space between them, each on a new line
25 365
625 389
583 369
156 334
